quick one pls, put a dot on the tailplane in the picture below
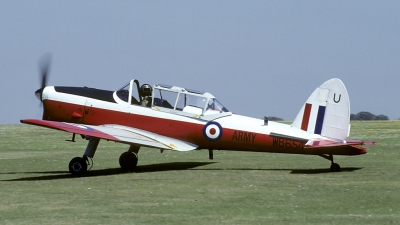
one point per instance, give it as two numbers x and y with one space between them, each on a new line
326 111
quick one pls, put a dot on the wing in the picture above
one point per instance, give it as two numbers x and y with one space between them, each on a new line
118 133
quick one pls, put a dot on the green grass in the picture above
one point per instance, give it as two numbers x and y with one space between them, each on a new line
188 188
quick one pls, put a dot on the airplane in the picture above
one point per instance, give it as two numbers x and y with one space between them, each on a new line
169 117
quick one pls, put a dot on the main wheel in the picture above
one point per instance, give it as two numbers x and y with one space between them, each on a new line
335 167
128 160
77 166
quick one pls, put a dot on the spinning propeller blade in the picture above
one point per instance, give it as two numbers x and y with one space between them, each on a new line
44 67
44 64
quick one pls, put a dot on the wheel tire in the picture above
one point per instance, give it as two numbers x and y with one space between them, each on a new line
335 167
128 160
77 166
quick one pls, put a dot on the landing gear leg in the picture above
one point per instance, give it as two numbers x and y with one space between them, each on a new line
334 166
128 160
78 165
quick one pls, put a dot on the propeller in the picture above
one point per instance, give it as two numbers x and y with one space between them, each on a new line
44 67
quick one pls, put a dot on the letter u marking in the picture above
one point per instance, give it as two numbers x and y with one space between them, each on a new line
334 98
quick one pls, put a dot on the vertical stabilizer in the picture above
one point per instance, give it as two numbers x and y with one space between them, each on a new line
326 111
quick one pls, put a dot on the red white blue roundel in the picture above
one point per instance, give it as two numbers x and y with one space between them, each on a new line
80 126
212 131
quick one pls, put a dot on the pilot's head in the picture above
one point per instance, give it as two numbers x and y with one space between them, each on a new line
146 90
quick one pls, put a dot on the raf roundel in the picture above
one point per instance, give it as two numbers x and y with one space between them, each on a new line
212 131
80 126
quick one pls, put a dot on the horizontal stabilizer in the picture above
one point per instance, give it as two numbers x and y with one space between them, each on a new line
360 142
317 143
325 146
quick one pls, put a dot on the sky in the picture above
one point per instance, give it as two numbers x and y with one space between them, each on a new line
258 58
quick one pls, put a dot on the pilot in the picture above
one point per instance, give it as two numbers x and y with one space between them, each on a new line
146 92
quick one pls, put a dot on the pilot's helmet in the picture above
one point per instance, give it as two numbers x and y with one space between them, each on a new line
146 90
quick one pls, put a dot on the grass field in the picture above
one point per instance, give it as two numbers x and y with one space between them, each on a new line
188 188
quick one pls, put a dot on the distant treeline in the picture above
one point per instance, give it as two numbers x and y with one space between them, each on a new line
358 116
274 118
367 116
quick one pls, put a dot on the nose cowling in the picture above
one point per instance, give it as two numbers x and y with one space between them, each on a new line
39 93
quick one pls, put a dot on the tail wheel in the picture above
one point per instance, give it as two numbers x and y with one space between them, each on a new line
128 160
77 166
335 167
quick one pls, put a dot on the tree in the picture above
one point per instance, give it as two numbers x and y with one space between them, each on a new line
367 116
273 118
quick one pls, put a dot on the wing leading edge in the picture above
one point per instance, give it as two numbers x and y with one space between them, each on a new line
117 133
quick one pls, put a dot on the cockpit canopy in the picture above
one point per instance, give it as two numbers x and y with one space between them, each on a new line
171 99
186 100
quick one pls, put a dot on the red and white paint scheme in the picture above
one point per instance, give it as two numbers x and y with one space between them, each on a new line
175 118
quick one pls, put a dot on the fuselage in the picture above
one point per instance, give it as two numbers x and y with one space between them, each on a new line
228 132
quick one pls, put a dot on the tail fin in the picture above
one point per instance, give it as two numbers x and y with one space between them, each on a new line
326 111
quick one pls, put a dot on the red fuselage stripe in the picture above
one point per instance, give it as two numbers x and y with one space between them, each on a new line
232 139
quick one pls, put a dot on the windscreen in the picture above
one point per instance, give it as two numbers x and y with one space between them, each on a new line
123 93
214 106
